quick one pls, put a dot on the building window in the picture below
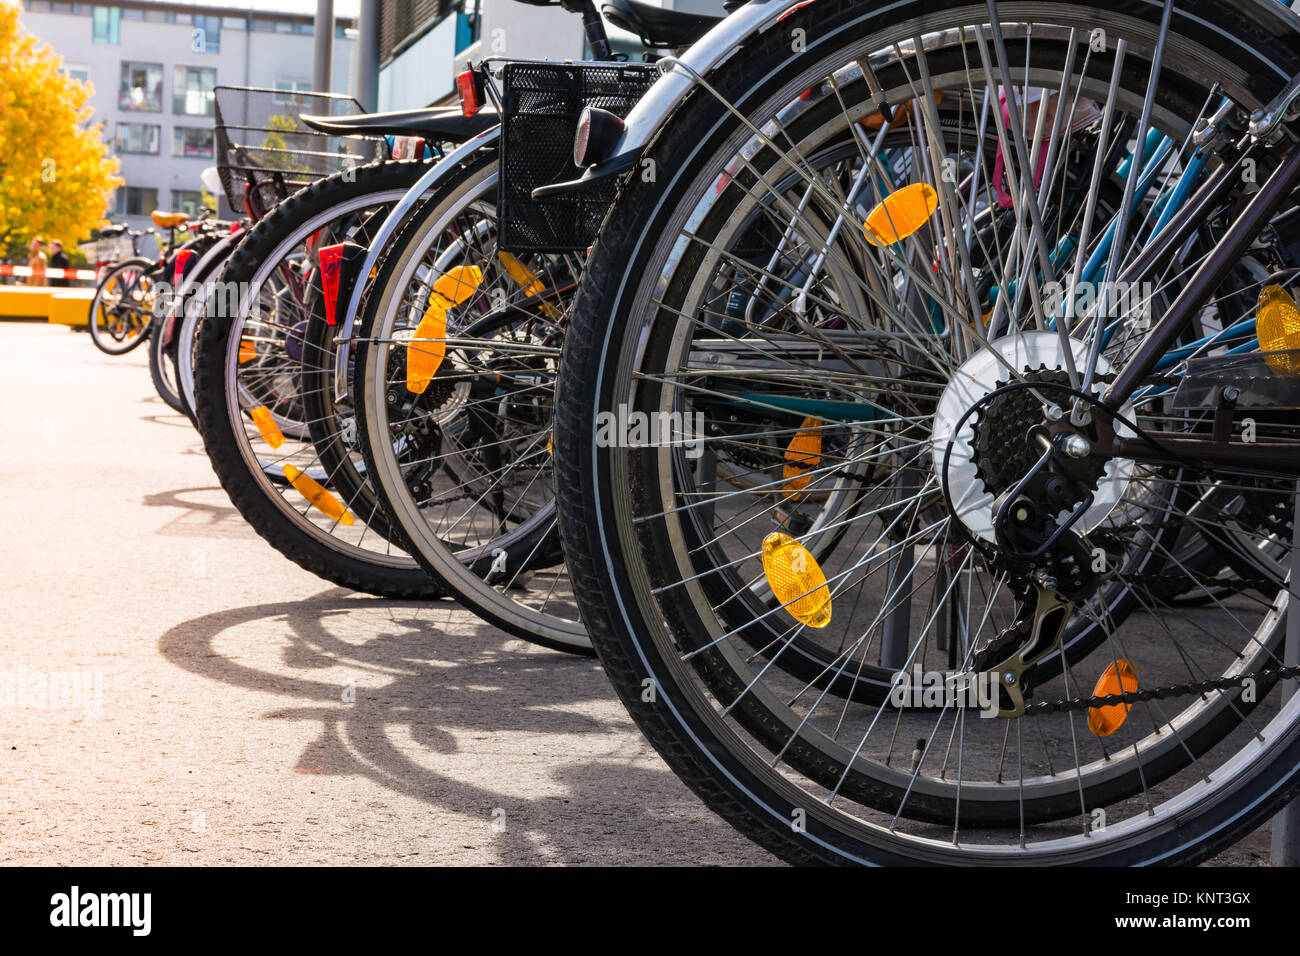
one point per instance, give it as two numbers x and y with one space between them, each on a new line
138 138
78 71
141 87
234 23
206 35
107 23
286 89
136 201
188 201
192 141
283 26
192 93
132 13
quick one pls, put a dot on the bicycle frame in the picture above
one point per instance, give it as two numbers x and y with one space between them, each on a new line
1182 215
1248 456
380 241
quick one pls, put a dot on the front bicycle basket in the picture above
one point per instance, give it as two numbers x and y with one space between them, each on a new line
541 103
262 144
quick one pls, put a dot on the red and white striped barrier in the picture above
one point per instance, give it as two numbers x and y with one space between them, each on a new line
48 273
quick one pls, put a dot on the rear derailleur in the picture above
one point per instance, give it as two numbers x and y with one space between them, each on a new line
1047 567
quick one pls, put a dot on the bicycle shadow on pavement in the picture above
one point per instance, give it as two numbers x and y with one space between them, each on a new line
526 748
200 512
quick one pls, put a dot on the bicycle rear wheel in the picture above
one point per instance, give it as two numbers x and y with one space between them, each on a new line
663 554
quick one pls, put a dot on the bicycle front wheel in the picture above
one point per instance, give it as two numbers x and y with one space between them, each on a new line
454 383
121 312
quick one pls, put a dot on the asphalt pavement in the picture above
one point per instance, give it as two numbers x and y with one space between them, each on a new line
185 695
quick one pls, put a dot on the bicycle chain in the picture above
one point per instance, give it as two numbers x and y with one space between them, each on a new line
1159 693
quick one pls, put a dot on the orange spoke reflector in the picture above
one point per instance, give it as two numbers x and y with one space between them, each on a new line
1120 677
900 214
902 114
423 358
314 492
247 351
1277 325
261 416
803 453
525 276
796 580
528 281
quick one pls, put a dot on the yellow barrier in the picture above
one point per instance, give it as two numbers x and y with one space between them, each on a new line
25 302
61 306
71 307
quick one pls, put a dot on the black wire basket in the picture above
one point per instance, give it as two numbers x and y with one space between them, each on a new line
263 148
541 103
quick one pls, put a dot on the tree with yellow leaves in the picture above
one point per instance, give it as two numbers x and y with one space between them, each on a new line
55 171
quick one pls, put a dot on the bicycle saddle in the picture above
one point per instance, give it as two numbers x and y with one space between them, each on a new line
168 220
439 125
658 27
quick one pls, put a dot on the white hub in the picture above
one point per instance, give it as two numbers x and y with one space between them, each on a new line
976 378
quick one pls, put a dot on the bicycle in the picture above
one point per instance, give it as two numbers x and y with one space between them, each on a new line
123 306
263 396
1029 461
122 310
454 346
193 264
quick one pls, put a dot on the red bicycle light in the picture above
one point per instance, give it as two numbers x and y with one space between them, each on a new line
182 260
793 10
470 88
597 133
331 259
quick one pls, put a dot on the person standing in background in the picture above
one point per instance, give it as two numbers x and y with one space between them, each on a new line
36 261
59 260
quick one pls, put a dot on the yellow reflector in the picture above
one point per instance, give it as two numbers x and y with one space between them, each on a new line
528 281
1277 325
458 283
1119 678
803 454
900 214
525 276
796 580
423 358
312 490
247 351
261 416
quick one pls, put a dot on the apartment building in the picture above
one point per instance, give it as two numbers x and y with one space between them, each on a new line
153 66
423 44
